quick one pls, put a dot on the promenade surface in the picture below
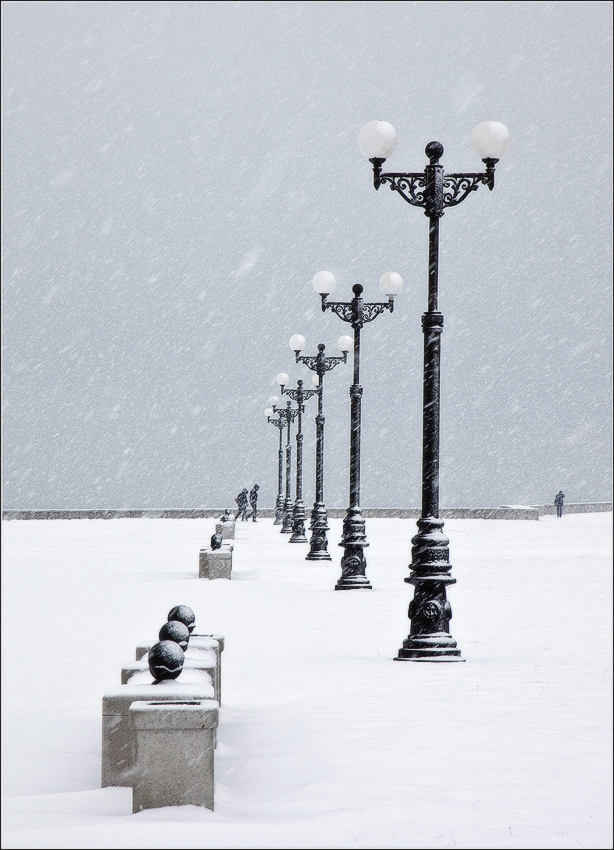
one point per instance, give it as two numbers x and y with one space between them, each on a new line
324 740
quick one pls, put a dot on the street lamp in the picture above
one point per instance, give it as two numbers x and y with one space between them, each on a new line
281 424
286 415
357 312
300 396
433 190
318 545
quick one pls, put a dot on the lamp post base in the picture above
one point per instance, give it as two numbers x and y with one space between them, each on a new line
429 647
439 658
353 583
287 527
353 561
298 523
430 612
318 544
279 510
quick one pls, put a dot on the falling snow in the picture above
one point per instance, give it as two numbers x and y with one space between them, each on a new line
175 174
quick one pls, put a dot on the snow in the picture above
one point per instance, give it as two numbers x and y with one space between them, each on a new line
324 741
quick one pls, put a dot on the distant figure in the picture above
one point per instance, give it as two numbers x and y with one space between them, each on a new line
241 501
225 516
558 501
216 541
253 500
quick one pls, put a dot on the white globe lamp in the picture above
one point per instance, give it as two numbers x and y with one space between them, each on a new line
377 140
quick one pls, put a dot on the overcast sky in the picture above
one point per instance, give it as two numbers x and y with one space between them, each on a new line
175 173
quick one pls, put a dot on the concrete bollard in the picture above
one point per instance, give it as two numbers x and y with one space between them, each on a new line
174 753
215 563
208 647
226 529
118 744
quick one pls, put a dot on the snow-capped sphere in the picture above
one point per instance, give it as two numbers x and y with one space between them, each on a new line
184 614
345 343
174 630
490 140
378 139
282 379
273 399
268 412
297 342
324 282
165 660
391 284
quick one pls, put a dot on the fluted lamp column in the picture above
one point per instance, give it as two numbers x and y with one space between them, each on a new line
433 190
318 545
280 424
357 313
300 396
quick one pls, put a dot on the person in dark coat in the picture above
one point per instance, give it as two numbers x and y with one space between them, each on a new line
253 500
241 501
558 501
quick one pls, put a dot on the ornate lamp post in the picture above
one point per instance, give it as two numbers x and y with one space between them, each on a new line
281 424
357 312
286 415
318 545
433 190
300 396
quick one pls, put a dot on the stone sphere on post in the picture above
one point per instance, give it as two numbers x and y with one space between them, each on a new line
174 630
184 614
165 660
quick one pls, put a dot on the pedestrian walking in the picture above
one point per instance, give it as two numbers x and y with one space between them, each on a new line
558 501
241 501
253 500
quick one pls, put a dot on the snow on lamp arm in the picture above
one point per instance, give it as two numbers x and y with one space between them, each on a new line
434 191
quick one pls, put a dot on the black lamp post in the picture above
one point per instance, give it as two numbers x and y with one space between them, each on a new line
318 545
286 415
433 190
279 423
357 312
300 396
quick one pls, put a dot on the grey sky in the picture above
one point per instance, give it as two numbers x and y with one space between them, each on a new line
174 174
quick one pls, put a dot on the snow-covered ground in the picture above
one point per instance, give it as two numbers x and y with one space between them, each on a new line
324 741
